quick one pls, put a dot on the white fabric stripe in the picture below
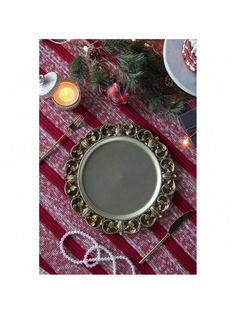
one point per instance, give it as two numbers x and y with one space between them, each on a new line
54 257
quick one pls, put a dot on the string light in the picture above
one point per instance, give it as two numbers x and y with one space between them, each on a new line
85 48
185 141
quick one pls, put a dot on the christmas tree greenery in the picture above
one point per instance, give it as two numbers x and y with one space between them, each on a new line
138 69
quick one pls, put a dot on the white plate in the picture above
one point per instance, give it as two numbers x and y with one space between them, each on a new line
176 67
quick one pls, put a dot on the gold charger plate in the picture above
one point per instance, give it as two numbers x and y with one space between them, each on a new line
120 178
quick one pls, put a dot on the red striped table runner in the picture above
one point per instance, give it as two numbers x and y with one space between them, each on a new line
178 255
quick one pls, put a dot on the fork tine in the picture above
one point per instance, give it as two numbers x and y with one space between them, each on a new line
80 119
73 126
76 123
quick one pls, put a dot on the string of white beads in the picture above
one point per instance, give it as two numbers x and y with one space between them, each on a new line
93 261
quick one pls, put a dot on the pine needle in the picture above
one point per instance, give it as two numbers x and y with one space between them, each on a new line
79 68
114 46
99 78
138 69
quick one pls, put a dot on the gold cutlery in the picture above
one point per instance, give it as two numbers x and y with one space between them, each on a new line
73 126
172 228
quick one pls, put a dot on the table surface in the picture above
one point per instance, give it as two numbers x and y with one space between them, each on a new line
178 254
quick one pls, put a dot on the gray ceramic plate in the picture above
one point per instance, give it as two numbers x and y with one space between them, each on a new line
120 178
176 67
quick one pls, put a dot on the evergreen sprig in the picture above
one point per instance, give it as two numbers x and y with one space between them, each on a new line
99 78
138 69
129 70
115 46
79 68
164 103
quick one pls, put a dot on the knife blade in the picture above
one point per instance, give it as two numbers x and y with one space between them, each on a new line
175 225
179 221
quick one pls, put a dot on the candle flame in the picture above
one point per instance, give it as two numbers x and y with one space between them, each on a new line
66 94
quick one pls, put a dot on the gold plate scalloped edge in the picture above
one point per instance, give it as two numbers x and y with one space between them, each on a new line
162 201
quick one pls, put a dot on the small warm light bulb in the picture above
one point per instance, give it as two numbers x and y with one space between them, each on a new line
85 48
186 141
133 39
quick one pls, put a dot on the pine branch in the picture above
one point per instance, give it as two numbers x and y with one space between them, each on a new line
178 108
139 69
79 68
129 70
115 46
163 103
99 78
131 62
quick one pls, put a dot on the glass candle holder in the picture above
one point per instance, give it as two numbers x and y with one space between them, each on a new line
65 93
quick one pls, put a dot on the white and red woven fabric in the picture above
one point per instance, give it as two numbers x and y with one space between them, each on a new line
178 254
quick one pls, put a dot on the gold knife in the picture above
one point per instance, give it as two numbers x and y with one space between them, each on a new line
172 228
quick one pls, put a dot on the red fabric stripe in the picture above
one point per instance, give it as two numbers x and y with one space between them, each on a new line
137 118
56 133
89 118
131 253
45 266
184 206
176 154
41 71
52 176
70 243
64 53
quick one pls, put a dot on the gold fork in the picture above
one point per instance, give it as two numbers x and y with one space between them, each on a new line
73 126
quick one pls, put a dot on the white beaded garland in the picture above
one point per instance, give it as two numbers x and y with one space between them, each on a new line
92 262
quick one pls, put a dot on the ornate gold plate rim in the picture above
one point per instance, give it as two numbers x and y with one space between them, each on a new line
161 203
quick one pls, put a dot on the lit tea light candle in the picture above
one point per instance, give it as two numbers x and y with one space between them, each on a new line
66 94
